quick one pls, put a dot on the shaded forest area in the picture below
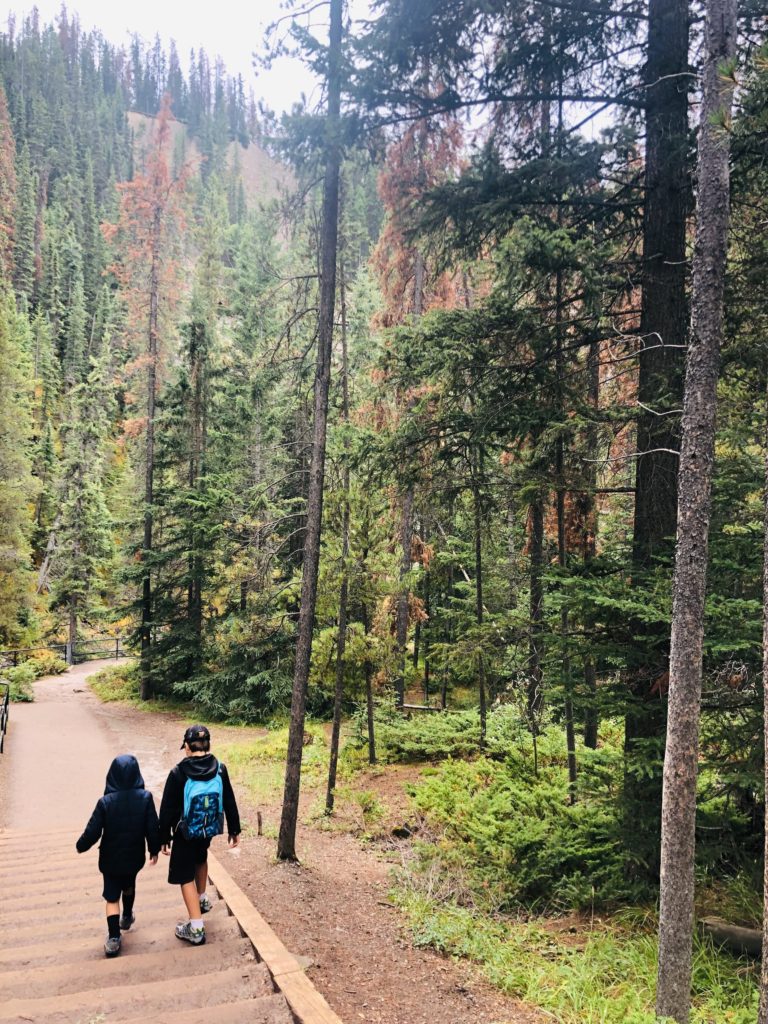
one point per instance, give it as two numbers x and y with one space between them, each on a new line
477 264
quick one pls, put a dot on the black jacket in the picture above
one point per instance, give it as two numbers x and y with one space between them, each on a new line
172 804
124 819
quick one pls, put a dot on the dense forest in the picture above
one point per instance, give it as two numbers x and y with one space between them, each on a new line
380 408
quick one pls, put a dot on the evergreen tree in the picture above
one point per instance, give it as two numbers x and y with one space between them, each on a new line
84 536
17 487
7 190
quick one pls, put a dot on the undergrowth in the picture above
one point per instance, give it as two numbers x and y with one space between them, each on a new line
606 975
123 683
21 677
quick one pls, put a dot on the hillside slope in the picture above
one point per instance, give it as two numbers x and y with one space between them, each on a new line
263 177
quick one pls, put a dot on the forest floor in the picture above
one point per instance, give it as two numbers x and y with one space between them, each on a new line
332 908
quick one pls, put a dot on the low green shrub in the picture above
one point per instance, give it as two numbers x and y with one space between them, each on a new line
117 683
20 679
518 838
436 736
46 663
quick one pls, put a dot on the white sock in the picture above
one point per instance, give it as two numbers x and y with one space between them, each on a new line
196 923
202 895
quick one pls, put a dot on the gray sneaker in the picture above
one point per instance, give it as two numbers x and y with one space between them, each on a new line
195 936
205 904
126 922
112 946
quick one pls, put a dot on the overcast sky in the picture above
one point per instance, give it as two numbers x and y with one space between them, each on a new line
228 28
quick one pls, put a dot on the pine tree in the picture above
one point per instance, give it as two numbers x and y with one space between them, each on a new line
678 823
145 236
17 487
286 846
8 187
84 535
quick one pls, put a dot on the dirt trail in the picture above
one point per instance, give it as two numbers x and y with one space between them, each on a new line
331 909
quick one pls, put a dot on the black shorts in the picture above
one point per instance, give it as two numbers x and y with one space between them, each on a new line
186 855
116 885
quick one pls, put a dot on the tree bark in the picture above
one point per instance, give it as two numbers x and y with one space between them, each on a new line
762 1014
696 465
663 325
401 620
535 696
591 718
479 596
149 473
286 844
341 641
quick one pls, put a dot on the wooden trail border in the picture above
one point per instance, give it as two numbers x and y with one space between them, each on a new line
306 1003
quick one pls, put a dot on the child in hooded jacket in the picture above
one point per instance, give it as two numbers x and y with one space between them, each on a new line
126 821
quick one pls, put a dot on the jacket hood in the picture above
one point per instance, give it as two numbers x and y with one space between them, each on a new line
202 767
124 774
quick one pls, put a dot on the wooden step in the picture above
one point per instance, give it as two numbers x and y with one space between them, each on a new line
134 961
63 906
40 930
145 1000
266 1010
89 947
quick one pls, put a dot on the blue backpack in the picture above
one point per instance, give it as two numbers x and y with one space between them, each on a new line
203 816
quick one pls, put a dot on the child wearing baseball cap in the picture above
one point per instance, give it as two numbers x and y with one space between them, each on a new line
197 797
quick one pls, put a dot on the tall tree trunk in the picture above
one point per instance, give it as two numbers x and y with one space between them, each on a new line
72 629
663 328
406 525
678 818
591 718
195 586
512 580
401 620
762 1014
479 596
535 697
428 612
341 641
286 844
149 473
368 670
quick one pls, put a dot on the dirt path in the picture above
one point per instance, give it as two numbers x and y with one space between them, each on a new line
332 908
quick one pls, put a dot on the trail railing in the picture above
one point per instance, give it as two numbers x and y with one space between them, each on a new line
73 654
5 705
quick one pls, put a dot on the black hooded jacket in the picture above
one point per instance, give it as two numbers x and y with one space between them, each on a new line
172 805
124 819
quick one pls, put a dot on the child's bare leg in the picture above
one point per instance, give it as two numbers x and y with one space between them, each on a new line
113 908
191 900
201 877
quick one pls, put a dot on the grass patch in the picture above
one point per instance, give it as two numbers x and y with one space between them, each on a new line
258 764
605 976
117 683
122 683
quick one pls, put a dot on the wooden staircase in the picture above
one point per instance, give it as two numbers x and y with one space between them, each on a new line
52 964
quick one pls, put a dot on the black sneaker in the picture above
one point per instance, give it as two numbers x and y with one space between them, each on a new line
195 936
112 946
126 922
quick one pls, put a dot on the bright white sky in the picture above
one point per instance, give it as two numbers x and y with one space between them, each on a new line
227 28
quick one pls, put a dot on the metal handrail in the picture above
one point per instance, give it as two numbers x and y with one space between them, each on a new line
5 705
72 654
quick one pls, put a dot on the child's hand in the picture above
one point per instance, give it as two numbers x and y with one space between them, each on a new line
166 850
234 841
153 860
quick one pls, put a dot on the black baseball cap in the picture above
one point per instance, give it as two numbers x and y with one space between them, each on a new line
196 733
